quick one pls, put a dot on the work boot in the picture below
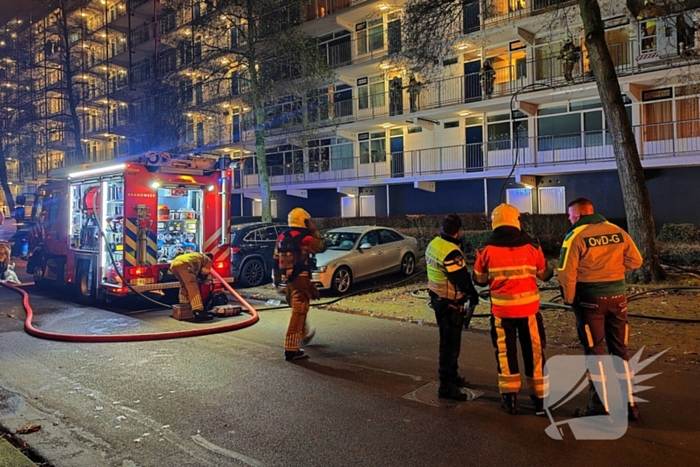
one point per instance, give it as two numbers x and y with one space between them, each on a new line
309 335
539 405
461 382
508 402
589 412
451 392
632 412
293 356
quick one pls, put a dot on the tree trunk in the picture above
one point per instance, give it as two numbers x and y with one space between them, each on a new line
79 158
635 195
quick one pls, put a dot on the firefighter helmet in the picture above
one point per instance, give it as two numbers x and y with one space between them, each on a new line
298 217
505 215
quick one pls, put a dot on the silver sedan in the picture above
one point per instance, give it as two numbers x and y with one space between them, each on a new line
355 254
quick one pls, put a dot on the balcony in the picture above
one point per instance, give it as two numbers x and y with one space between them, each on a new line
548 154
497 12
317 9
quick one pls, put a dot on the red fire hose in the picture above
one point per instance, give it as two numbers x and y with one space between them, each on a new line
31 330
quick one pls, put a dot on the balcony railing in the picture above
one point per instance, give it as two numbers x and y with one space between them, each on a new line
316 9
667 140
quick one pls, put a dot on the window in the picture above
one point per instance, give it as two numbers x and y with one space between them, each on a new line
687 113
337 47
370 36
371 92
647 35
371 237
657 115
372 147
268 234
319 155
552 200
342 155
387 236
521 198
454 124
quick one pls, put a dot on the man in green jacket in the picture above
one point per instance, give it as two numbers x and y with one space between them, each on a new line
595 256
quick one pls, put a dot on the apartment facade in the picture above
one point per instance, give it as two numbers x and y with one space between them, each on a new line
380 146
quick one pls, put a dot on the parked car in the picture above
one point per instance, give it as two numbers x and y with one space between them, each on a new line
355 254
252 246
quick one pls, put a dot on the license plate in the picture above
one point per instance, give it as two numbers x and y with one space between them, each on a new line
142 281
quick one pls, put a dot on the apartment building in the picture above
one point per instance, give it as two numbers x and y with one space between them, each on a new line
381 145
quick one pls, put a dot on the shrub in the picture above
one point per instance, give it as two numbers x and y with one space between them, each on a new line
551 244
680 254
473 240
679 233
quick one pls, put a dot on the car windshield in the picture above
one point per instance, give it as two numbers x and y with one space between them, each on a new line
344 241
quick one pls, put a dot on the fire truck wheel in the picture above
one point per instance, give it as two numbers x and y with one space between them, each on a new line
84 286
38 274
253 273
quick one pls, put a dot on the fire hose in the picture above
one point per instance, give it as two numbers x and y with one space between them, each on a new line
31 330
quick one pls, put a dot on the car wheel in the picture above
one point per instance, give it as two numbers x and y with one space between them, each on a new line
408 264
253 273
342 280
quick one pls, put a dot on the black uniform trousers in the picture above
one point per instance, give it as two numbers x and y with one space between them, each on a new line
450 320
602 322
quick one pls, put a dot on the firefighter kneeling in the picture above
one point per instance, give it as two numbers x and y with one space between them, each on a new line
293 263
189 269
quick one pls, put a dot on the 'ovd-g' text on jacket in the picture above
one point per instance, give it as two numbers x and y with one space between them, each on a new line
594 258
510 265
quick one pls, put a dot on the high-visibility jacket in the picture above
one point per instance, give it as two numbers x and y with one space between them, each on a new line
594 258
438 273
511 273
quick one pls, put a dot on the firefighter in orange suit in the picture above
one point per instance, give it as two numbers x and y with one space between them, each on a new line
509 264
190 268
594 258
293 262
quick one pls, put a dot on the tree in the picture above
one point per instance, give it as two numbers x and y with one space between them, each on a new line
256 43
444 18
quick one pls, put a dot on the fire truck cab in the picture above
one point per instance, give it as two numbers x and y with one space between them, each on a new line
114 230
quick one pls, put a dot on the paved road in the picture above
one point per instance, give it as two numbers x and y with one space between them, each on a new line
230 399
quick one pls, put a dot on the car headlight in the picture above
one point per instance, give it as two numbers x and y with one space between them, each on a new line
321 269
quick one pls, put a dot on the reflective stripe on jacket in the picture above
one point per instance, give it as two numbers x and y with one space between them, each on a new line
594 258
438 282
511 273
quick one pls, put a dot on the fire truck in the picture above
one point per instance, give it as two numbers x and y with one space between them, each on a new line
112 231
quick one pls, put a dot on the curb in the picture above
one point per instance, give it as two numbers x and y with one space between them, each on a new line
10 456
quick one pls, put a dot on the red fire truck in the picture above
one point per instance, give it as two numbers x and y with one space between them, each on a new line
114 230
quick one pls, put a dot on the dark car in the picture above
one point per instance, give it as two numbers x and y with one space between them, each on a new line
252 246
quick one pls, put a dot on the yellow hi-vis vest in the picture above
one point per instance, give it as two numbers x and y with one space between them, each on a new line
438 282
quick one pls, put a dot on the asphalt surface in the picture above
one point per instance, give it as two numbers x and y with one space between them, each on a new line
231 399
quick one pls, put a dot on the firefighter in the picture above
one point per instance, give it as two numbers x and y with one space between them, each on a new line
570 54
190 269
487 75
453 298
293 262
509 264
594 258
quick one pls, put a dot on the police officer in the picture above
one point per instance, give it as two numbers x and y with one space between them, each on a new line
189 269
453 298
293 263
594 258
509 264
